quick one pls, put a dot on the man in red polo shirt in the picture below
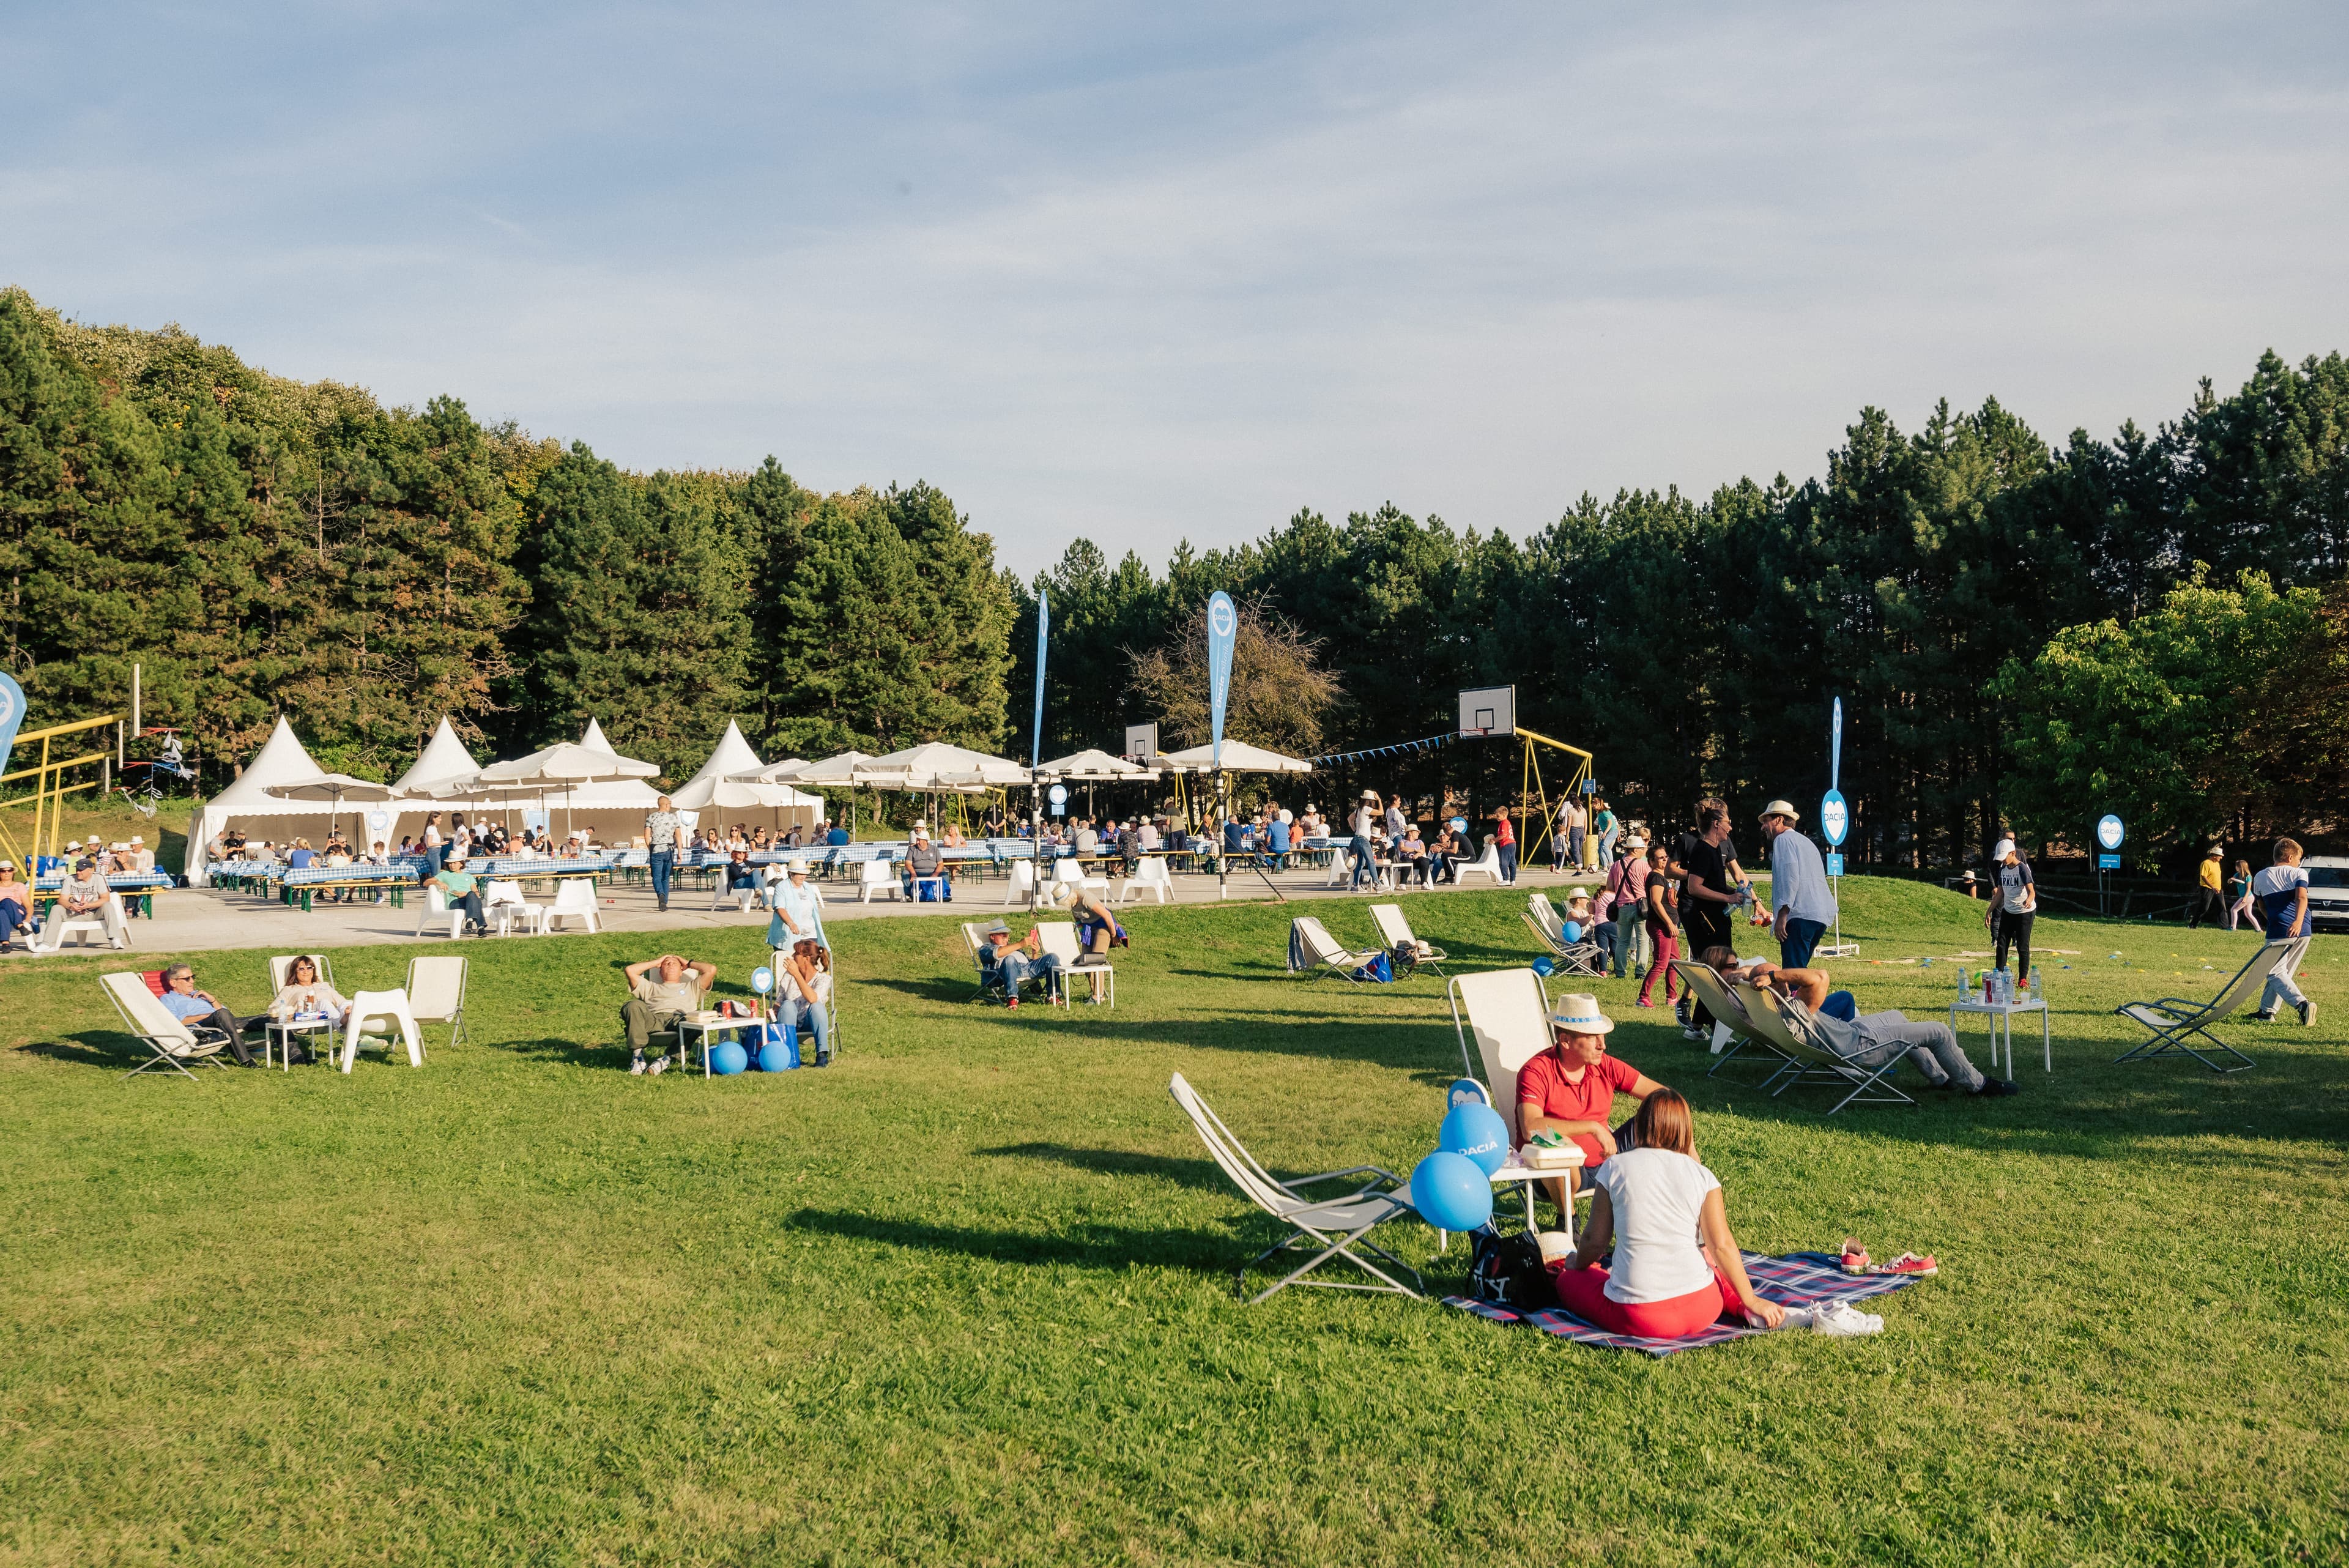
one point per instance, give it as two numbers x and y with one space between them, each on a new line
1570 1089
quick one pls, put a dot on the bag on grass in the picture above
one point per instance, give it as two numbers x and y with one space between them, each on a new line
1508 1271
1380 969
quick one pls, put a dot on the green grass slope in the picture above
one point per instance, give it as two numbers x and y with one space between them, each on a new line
966 1296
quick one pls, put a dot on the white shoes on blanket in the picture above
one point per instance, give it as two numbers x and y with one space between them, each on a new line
1837 1320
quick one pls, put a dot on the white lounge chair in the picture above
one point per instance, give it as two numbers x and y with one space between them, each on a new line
1311 946
1578 956
2175 1020
1059 940
1338 1226
1149 877
1487 865
1506 1012
108 920
169 1042
1787 1026
436 909
1395 931
436 992
1734 1030
876 876
381 1007
973 937
574 900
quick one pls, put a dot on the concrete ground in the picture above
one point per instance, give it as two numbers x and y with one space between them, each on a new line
201 920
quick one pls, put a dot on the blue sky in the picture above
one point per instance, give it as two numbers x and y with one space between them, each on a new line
1154 272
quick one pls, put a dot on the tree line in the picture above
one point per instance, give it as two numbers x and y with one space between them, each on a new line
2024 633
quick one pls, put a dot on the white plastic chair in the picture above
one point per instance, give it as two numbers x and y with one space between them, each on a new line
436 908
1507 1010
1069 872
1020 887
1487 865
436 992
1149 877
109 923
504 905
1059 940
381 1007
877 874
573 900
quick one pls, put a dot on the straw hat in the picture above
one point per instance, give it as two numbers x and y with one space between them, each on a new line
1577 892
2215 854
1781 808
1578 1013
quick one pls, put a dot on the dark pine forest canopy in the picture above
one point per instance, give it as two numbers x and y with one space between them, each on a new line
2021 633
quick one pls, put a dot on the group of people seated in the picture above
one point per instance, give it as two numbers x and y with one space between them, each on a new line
131 859
1676 1268
1008 963
1384 835
665 991
305 995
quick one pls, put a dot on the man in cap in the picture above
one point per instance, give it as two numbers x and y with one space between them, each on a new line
2210 894
1570 1089
1798 887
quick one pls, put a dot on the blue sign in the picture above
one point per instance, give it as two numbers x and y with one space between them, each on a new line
762 980
11 715
1043 627
1465 1092
1223 627
1835 864
1835 817
2108 862
1058 795
2109 832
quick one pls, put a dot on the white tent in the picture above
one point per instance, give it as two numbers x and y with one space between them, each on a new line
935 765
248 805
1239 757
719 789
583 784
444 757
1094 764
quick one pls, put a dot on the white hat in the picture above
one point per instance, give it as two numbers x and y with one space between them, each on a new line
1369 795
73 844
798 869
2215 854
136 839
1577 892
1578 1013
1781 808
2005 848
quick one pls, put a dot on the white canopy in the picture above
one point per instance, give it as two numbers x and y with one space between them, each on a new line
444 757
248 802
839 771
935 765
1239 757
721 784
1094 764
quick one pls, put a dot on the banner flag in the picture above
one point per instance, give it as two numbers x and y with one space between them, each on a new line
1223 625
1043 626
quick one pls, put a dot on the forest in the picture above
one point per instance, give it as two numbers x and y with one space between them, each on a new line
2022 633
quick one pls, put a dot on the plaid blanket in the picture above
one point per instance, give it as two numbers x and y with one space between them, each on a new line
1798 1279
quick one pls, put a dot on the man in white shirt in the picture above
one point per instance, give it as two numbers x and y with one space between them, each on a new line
1798 887
1566 844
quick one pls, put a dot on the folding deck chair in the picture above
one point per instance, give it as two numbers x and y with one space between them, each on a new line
436 992
1395 931
1787 1026
1311 946
1585 959
973 937
1721 1001
1507 1010
1338 1225
2175 1021
169 1042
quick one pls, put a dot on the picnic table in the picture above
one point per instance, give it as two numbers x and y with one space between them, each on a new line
137 889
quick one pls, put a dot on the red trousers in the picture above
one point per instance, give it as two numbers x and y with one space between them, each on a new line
1667 950
1583 1292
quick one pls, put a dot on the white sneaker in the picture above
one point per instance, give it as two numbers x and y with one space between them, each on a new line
1841 1320
1797 1317
637 1068
660 1067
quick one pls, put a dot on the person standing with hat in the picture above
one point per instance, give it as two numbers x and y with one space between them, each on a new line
1627 887
1570 1089
2013 900
1798 887
799 912
1366 817
2210 893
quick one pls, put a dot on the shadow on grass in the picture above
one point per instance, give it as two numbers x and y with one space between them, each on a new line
108 1048
576 1054
1084 1246
1199 1174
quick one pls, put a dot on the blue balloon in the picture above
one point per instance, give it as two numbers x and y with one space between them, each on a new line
728 1058
1573 931
1478 1132
775 1056
1451 1192
1544 968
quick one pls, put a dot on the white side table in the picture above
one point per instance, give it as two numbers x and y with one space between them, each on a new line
1996 1011
706 1024
280 1033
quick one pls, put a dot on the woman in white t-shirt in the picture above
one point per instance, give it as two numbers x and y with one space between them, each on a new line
1676 1269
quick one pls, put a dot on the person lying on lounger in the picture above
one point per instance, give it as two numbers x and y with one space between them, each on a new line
1651 1206
1865 1041
1808 986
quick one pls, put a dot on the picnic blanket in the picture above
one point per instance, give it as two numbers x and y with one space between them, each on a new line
1798 1279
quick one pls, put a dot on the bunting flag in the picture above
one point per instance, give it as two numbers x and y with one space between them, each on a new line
1400 749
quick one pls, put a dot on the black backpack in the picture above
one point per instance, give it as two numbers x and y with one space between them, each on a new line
1508 1271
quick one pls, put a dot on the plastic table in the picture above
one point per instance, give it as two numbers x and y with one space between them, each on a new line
2005 1011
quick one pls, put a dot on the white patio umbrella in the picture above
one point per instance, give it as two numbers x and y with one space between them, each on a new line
1094 764
561 768
1239 757
335 787
785 772
921 768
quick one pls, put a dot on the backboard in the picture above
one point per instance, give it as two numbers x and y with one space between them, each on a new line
1489 711
1140 743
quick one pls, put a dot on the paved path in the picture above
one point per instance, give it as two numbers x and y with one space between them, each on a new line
201 920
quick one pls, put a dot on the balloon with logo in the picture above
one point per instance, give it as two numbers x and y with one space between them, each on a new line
1544 967
1478 1132
1451 1192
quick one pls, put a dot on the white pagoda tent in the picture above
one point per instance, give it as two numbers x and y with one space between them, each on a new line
719 790
443 758
248 805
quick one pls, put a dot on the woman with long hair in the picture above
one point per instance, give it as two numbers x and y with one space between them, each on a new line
1651 1205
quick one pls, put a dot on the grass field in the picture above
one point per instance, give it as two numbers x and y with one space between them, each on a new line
966 1296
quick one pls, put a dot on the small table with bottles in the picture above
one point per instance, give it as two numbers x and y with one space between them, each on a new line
2002 1006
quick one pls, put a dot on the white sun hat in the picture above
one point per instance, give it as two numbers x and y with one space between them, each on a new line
1577 1013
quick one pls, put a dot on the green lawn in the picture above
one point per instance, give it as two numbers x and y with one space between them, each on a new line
966 1296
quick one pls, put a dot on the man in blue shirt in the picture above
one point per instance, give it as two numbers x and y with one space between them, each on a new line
183 1001
837 838
2282 891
